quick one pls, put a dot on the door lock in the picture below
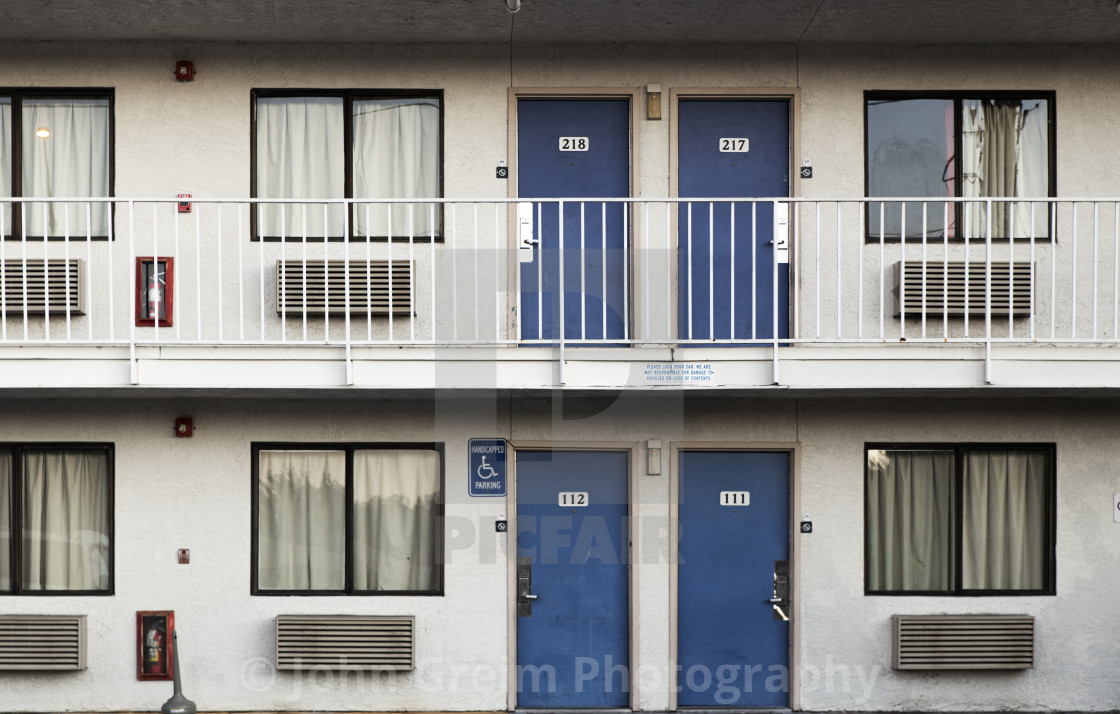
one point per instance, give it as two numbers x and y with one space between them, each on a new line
525 596
780 600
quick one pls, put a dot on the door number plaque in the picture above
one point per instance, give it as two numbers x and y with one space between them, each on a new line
573 498
574 143
737 145
734 498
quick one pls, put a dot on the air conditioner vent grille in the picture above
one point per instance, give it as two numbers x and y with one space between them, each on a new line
34 642
318 287
342 642
40 285
955 289
963 642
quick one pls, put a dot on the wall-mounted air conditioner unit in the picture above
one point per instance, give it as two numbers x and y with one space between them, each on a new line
345 642
955 289
315 287
43 642
962 642
37 285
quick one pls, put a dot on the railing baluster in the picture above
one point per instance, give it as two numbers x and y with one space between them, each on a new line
1095 229
882 267
839 269
754 270
432 230
240 275
603 244
582 272
1073 279
734 268
711 271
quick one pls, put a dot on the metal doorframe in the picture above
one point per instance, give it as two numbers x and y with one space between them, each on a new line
630 449
794 451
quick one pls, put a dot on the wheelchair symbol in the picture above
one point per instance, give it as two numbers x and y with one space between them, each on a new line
485 470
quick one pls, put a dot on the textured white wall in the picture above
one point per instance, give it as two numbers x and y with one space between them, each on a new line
195 493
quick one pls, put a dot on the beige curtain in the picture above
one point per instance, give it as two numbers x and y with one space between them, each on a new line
396 493
5 521
6 162
396 155
72 162
301 154
65 520
1005 154
910 527
1004 520
301 520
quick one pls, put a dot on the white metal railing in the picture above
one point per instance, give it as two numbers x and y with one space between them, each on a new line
631 272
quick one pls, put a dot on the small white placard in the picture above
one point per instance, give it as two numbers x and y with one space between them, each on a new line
734 498
573 498
574 143
739 145
1116 508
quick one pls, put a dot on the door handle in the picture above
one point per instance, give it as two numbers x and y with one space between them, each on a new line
780 600
525 596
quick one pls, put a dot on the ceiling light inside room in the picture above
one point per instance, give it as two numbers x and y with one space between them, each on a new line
42 132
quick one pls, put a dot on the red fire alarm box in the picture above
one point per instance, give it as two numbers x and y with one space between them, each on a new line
184 203
184 70
184 426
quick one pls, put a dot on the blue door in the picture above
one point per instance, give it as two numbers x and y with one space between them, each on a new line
573 646
575 148
728 263
733 580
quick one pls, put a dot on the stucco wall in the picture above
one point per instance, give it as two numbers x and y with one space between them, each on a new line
193 137
195 493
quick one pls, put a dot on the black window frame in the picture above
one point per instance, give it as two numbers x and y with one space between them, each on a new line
16 449
348 96
17 95
349 448
958 97
960 449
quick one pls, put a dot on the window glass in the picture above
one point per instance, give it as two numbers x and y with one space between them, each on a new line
978 514
910 525
304 149
1004 153
301 520
910 153
5 521
65 144
65 520
300 154
396 494
6 162
1003 520
396 155
392 518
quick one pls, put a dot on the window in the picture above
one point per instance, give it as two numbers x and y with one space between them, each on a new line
347 144
56 144
56 519
960 519
348 519
1005 142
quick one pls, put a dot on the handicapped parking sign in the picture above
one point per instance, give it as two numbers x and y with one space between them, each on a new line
487 476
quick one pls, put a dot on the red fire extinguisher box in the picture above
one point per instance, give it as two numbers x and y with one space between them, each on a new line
153 644
155 289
